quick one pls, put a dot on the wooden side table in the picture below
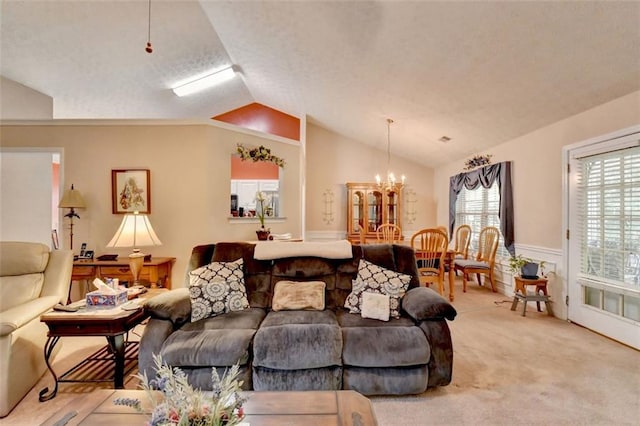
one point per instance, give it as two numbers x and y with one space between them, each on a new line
120 355
540 294
156 271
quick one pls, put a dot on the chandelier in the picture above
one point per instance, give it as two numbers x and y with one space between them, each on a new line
390 184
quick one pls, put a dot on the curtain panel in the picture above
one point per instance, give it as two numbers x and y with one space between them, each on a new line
486 176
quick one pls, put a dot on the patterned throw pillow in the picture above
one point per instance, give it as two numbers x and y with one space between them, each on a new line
376 279
217 288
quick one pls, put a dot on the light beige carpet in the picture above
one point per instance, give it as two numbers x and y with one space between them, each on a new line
508 369
514 370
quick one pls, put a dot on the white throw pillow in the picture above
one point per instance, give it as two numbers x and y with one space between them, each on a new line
375 306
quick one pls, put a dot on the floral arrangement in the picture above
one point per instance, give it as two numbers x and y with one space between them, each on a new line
182 405
477 161
264 200
260 153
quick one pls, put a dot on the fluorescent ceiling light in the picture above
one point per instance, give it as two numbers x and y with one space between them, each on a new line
202 82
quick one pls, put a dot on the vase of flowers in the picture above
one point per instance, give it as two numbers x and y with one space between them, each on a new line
181 405
262 201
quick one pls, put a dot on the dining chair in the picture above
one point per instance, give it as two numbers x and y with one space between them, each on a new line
430 247
362 234
388 233
462 239
484 262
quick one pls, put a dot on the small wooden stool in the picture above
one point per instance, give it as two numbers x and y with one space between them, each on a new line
540 294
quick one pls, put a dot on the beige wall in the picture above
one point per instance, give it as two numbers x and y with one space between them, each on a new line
190 170
19 102
334 160
537 169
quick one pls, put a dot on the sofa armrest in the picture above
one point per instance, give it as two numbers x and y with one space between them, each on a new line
173 305
422 304
14 318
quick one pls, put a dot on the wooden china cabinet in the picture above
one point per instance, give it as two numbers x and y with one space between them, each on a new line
370 207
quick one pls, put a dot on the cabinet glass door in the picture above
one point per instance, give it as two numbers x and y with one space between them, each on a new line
357 210
374 210
392 207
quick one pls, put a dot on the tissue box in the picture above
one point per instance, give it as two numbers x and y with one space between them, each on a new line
98 300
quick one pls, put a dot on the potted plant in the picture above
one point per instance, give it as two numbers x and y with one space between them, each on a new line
262 202
525 267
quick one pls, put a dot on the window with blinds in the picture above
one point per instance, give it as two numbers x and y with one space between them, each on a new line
609 217
479 208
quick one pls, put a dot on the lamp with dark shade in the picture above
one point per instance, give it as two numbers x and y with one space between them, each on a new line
135 231
72 199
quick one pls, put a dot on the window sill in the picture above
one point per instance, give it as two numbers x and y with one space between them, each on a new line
255 220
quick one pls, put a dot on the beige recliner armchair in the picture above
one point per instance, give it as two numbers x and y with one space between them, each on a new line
32 280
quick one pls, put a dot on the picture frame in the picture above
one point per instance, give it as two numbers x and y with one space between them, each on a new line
131 191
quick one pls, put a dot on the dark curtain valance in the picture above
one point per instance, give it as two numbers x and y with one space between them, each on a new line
486 176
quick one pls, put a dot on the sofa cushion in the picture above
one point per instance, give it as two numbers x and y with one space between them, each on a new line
325 378
371 343
22 258
386 381
217 288
205 348
346 319
19 289
292 340
293 295
246 319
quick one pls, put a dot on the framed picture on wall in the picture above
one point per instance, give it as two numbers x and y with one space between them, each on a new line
130 191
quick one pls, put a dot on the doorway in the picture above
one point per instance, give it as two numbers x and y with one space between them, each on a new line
29 188
603 232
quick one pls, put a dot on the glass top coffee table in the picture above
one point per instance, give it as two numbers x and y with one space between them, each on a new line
309 408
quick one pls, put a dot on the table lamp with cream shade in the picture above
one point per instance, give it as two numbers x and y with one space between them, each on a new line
135 231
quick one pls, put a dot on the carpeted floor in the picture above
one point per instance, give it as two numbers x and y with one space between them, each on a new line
508 369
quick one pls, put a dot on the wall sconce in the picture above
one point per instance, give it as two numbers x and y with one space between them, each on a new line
72 199
327 214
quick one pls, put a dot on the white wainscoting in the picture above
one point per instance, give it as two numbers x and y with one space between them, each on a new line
553 269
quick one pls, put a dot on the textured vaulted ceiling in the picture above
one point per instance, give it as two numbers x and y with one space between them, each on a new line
481 73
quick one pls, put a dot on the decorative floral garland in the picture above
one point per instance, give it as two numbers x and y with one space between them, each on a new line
477 161
260 153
